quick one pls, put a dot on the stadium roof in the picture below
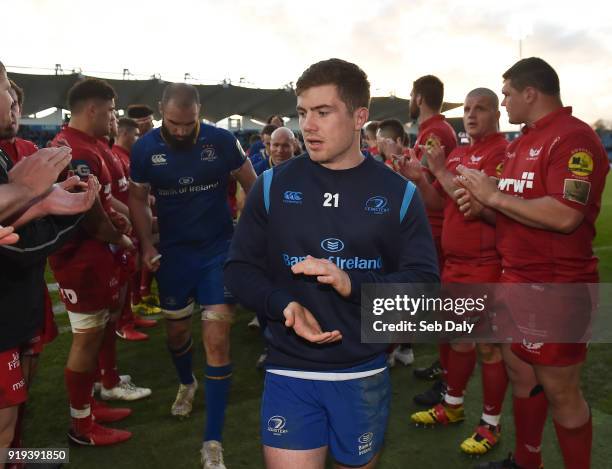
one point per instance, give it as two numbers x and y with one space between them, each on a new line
218 101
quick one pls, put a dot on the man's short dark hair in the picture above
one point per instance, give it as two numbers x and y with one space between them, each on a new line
431 90
392 128
536 73
138 111
183 94
18 92
125 123
268 129
372 127
352 82
89 88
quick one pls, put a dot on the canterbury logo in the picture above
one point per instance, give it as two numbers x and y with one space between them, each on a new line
518 186
158 159
533 449
475 159
292 196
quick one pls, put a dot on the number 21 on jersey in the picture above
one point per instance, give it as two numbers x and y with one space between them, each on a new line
331 200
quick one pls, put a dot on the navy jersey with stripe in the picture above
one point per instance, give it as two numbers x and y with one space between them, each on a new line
368 220
190 186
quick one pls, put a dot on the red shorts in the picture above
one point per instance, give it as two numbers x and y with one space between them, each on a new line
460 272
564 309
13 389
126 261
550 354
90 285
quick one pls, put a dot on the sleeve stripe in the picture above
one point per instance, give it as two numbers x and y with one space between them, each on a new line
43 245
267 182
408 193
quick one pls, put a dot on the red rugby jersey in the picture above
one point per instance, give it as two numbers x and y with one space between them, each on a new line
18 148
465 240
435 129
87 158
558 156
119 182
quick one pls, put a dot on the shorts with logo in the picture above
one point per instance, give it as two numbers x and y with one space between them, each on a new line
349 416
185 275
90 284
13 390
566 308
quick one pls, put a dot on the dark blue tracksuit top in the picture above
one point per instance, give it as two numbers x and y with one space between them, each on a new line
368 220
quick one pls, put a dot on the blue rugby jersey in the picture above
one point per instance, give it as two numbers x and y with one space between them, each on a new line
368 220
190 186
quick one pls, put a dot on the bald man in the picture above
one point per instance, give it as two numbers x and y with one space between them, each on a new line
281 149
469 258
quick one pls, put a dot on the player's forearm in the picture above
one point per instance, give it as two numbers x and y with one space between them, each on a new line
445 178
98 225
433 200
120 207
142 220
14 198
544 212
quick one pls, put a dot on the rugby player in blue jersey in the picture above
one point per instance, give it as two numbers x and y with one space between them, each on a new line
186 165
310 235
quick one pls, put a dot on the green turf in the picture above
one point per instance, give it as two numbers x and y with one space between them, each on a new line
162 442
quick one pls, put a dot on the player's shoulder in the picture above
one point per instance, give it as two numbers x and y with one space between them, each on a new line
298 165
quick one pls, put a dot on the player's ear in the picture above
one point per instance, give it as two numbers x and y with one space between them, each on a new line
530 94
361 116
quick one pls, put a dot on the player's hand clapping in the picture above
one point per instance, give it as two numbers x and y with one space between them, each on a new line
326 272
306 326
436 158
481 186
39 171
409 166
7 235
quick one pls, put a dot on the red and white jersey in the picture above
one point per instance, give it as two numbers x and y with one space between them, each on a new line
557 156
18 148
431 131
87 158
465 240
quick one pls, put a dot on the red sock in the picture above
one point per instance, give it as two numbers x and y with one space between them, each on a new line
107 358
529 419
494 385
576 444
443 350
127 316
460 368
79 386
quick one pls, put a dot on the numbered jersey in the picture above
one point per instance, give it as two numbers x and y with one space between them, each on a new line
561 157
190 186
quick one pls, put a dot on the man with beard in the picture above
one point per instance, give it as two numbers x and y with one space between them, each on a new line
33 203
187 166
426 100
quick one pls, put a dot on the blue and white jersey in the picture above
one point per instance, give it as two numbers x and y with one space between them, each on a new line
190 186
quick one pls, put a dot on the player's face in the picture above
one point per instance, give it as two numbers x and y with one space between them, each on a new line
113 130
266 139
515 103
6 102
281 148
329 129
145 124
413 109
129 137
180 122
102 113
13 127
480 116
387 146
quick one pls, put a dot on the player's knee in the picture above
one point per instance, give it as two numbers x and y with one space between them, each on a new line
562 395
180 347
489 353
88 323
